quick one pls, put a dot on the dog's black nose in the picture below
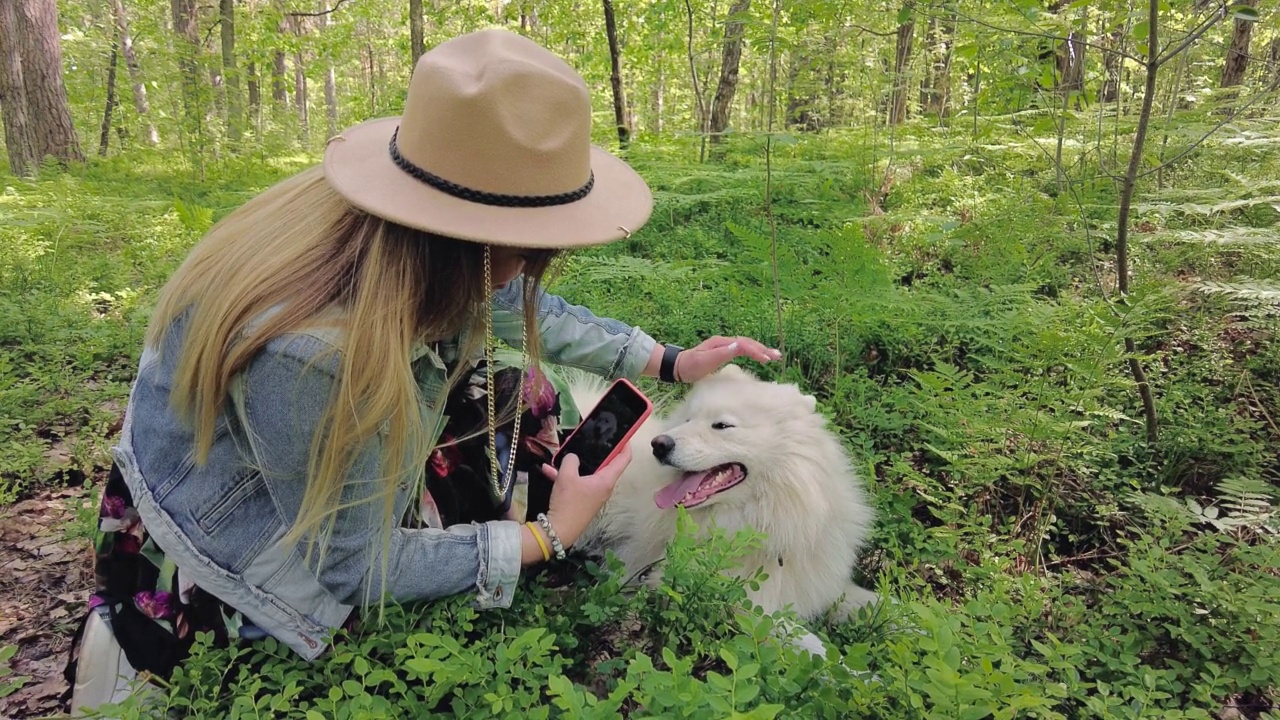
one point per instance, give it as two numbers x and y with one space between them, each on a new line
662 446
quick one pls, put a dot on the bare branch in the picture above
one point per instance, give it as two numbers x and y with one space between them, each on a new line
877 33
317 14
1218 15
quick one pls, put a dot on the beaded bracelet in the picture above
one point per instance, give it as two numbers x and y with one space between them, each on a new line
551 533
542 544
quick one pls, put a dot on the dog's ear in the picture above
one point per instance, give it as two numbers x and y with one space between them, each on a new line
810 402
734 372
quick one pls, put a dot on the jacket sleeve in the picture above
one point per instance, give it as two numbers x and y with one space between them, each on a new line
283 400
572 335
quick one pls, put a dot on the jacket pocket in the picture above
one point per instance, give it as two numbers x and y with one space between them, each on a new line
243 488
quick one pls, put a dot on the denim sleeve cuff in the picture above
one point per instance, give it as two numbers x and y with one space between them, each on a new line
635 355
500 553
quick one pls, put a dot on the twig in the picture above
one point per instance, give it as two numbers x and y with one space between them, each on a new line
317 14
1191 37
877 33
1094 556
1195 145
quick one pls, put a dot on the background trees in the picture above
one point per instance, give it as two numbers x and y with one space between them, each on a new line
690 67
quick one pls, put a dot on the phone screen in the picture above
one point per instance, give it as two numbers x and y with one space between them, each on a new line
612 419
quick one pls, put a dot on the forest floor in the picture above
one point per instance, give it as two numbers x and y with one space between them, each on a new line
45 580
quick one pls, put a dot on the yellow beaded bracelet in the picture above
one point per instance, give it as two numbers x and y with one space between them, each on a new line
546 552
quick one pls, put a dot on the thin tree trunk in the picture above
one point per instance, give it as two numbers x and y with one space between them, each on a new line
330 83
104 137
51 130
940 39
231 75
279 88
254 90
417 42
1237 62
373 83
13 96
187 31
300 95
615 61
902 58
1126 205
140 104
659 95
697 91
734 28
1111 68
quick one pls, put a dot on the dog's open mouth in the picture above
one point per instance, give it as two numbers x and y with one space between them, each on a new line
695 488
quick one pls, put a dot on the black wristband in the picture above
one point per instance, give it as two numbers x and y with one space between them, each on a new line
667 371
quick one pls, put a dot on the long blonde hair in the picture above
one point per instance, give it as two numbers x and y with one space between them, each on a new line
300 247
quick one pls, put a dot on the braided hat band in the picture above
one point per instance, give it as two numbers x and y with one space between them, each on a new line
480 196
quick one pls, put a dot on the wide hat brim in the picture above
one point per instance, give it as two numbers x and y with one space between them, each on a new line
358 165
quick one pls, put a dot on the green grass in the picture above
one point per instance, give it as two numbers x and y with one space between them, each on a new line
1049 561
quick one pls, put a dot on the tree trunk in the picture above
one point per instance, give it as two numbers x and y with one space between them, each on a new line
254 91
13 96
140 104
1111 68
659 95
800 97
734 27
231 75
300 95
104 137
279 88
615 60
330 82
1237 62
417 42
936 95
902 58
1126 205
187 33
1273 57
51 130
373 83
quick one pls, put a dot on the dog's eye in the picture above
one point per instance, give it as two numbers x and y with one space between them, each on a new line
720 426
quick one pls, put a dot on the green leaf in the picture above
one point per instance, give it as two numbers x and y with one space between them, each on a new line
1142 30
1244 13
904 15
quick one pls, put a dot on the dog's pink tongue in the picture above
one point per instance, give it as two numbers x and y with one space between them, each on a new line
669 496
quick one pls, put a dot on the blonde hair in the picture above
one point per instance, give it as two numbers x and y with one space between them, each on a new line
301 247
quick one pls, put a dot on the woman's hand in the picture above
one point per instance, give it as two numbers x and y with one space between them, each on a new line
710 355
577 499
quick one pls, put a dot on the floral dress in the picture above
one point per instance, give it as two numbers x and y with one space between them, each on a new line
155 612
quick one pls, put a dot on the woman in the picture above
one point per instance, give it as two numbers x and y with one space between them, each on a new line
310 429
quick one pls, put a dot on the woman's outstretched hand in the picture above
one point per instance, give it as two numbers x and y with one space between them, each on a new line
711 354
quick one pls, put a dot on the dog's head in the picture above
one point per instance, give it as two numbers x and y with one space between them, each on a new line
728 436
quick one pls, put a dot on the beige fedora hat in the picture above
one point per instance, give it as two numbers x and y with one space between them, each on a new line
494 146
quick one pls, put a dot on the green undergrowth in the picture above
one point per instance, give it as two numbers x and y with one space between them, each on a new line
952 306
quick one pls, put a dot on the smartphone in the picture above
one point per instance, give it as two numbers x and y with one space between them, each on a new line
607 428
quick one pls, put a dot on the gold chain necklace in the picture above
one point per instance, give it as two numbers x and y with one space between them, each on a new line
492 390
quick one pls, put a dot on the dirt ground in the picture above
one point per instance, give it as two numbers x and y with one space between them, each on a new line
46 575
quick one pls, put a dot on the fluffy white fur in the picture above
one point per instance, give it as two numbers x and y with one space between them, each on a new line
800 490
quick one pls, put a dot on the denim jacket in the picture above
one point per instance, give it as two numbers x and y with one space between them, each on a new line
223 523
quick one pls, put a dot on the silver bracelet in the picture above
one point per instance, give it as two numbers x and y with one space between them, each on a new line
551 533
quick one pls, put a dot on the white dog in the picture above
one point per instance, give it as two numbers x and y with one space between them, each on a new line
737 453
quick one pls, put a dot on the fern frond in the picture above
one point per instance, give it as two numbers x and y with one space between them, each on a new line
1256 291
1229 236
